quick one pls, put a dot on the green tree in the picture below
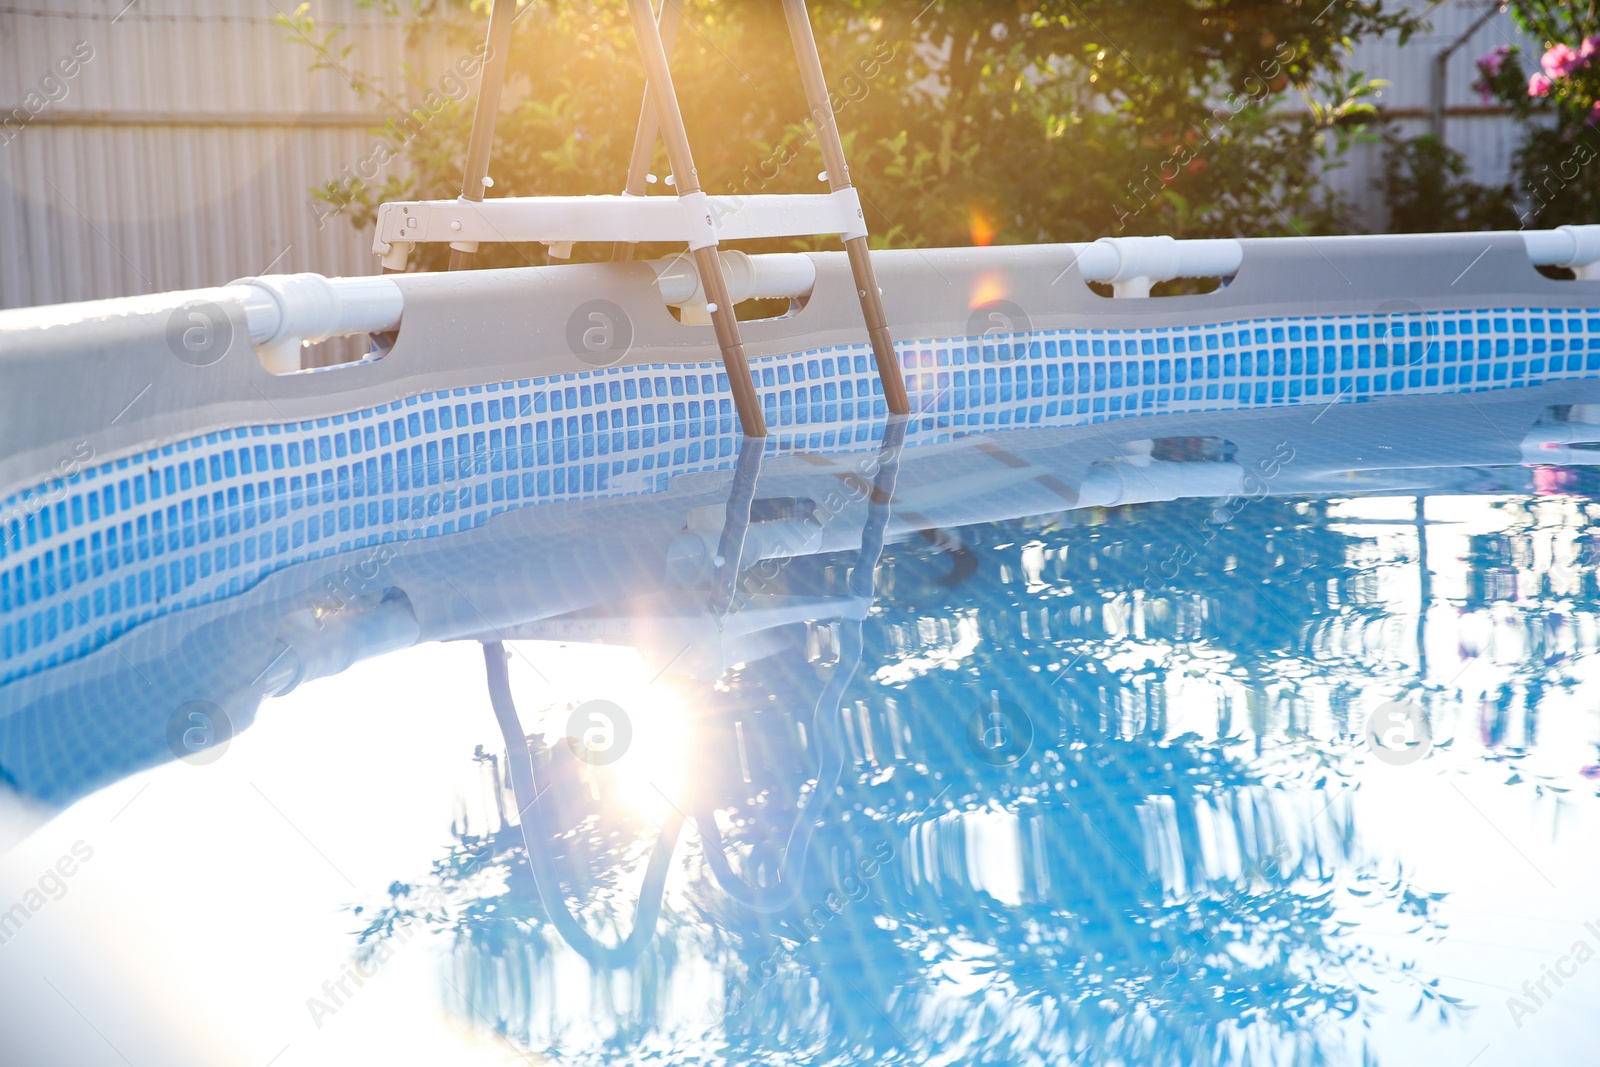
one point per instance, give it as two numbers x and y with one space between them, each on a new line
966 122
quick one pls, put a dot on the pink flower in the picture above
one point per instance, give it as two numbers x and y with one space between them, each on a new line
1489 63
1561 60
1590 46
1539 85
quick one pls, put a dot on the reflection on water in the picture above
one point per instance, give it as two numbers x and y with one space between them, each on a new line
1082 817
1046 747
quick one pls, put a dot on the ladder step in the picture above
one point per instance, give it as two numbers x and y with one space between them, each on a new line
632 219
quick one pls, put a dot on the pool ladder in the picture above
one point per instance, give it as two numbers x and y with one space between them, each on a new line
633 218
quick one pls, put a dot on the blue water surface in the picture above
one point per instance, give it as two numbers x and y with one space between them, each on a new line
1216 737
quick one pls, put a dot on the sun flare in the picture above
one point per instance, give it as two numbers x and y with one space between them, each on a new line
629 727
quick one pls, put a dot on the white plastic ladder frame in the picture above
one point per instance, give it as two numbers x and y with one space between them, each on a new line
700 221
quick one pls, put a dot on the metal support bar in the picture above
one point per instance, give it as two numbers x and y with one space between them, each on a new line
502 13
736 527
1439 80
866 280
668 114
649 129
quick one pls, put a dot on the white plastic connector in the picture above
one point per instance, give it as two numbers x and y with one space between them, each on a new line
1117 483
1134 264
697 219
1585 259
854 221
397 255
789 275
1565 444
287 311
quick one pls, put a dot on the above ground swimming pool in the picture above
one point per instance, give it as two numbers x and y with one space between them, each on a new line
1207 683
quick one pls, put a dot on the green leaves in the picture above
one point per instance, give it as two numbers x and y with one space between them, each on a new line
1062 121
1426 187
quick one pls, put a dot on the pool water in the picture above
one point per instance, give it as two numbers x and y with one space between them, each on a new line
1261 737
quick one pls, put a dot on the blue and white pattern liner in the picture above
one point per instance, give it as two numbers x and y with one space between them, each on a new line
86 558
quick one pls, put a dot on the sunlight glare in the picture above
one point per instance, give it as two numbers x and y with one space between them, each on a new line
649 773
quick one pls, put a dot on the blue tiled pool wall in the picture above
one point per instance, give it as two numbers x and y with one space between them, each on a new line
1264 363
209 517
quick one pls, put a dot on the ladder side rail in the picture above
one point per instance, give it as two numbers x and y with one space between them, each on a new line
480 142
648 131
703 245
866 280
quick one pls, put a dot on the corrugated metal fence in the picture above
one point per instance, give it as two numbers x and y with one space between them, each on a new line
1485 134
171 144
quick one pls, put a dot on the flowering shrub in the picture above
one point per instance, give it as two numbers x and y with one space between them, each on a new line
1554 164
1567 76
1491 70
1562 65
1560 60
